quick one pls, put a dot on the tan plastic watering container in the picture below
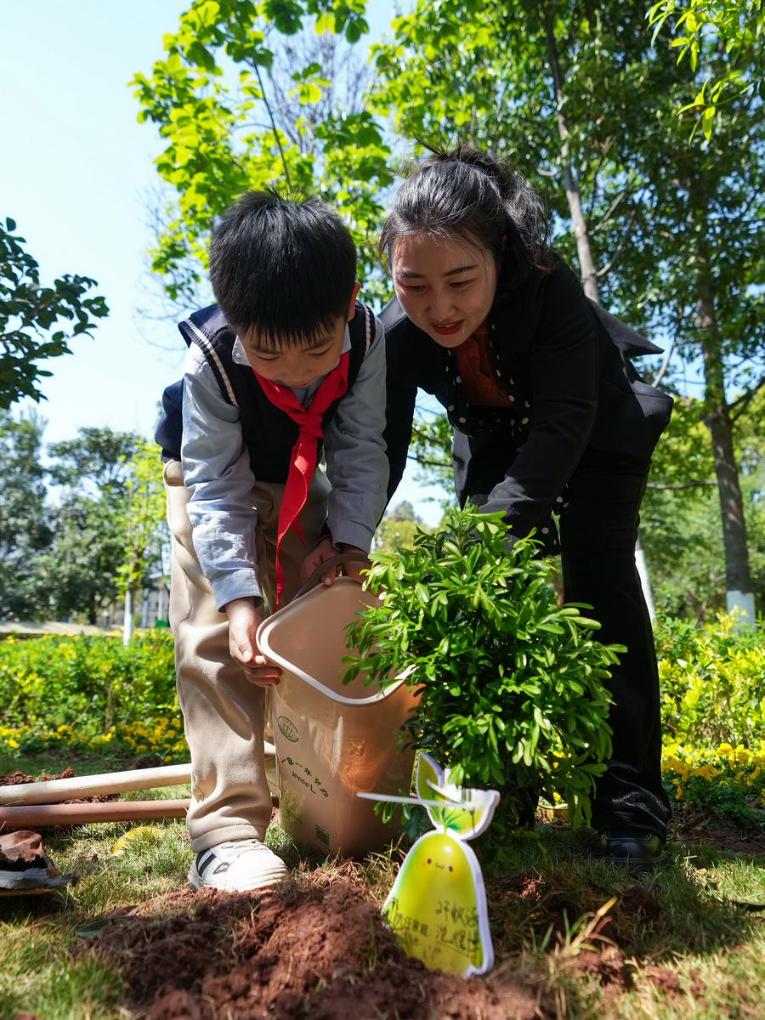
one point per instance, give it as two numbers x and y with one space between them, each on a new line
332 740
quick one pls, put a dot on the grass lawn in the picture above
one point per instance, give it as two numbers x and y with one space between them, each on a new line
685 943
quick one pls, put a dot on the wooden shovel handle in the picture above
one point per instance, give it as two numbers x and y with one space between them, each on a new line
81 814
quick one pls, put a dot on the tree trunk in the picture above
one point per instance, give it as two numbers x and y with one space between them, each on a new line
127 623
588 271
739 590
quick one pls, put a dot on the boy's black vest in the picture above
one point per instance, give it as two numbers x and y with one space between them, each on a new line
268 432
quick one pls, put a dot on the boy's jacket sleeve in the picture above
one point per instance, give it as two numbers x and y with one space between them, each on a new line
401 391
170 425
357 467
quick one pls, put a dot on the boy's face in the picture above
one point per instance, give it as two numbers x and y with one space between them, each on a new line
299 367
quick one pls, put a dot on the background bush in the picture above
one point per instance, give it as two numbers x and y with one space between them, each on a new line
90 693
712 682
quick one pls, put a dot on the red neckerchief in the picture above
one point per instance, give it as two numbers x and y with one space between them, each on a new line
477 371
305 452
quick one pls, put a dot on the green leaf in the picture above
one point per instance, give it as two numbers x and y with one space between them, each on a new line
325 23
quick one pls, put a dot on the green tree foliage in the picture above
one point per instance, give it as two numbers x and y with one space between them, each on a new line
32 316
667 235
431 448
680 514
71 551
513 689
735 28
397 529
97 460
93 471
142 524
25 524
212 98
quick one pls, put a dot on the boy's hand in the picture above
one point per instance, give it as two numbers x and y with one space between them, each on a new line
244 618
324 551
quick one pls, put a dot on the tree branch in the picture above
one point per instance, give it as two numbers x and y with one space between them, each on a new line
619 247
664 364
428 463
610 211
701 484
273 124
740 404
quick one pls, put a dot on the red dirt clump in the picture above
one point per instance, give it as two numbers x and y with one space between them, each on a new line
663 979
18 778
528 887
636 901
607 965
301 949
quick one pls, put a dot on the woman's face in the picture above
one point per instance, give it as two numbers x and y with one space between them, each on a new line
445 285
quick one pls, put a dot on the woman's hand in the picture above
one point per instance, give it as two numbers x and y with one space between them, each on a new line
244 618
324 551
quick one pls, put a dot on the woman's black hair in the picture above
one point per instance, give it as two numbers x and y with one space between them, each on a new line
471 195
283 267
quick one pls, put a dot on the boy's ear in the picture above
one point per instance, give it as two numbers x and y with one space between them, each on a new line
352 305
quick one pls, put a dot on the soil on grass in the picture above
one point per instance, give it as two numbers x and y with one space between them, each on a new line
545 907
316 946
312 947
19 778
693 826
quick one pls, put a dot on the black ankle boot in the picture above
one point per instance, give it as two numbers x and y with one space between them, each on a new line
637 852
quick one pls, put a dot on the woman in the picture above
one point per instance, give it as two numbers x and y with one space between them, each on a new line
550 419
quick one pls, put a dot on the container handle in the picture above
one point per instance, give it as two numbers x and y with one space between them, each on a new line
333 561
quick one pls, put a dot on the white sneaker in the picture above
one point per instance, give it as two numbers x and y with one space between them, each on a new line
236 866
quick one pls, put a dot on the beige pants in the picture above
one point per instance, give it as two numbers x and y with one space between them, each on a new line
222 711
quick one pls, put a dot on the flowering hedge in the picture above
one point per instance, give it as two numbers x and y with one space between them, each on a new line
82 693
727 781
90 693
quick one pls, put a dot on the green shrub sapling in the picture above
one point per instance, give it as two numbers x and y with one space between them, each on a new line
513 685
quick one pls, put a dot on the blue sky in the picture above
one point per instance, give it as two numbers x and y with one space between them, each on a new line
76 175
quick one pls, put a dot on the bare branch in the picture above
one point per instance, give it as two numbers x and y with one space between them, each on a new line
701 484
740 404
273 123
619 247
610 211
664 363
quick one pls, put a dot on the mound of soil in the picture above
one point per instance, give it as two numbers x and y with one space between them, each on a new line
307 948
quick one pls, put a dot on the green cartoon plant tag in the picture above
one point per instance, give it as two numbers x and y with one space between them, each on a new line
437 906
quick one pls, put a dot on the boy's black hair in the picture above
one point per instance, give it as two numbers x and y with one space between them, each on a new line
285 268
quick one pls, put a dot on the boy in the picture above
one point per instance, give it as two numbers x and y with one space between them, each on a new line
285 357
